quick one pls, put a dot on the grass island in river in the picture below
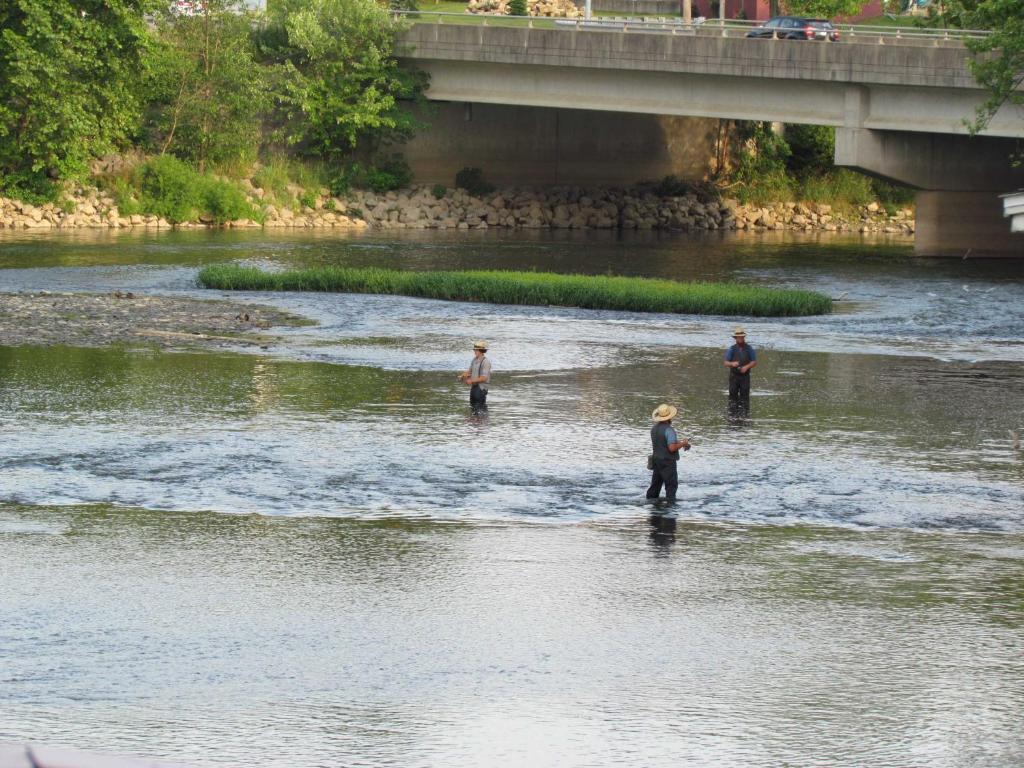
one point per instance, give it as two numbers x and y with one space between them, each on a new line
634 294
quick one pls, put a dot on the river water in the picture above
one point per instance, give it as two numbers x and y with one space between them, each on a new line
313 554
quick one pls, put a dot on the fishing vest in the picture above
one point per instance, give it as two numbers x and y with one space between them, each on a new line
659 442
740 355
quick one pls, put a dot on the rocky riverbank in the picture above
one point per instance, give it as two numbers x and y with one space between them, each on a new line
94 320
426 207
579 208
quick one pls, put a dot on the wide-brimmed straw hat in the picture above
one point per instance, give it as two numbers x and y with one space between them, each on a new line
738 331
481 345
664 412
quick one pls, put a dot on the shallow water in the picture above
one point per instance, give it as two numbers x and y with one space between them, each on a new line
314 554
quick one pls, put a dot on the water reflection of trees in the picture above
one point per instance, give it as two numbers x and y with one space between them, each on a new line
141 381
321 550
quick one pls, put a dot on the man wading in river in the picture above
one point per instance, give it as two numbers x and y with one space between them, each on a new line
478 376
739 359
665 445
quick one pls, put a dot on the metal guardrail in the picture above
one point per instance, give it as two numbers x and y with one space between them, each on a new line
848 33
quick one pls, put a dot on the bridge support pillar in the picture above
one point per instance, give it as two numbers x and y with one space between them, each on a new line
960 178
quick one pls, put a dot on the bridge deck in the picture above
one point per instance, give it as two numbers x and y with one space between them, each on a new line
908 86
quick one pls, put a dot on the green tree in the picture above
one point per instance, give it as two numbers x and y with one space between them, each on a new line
824 9
68 74
206 91
998 63
812 148
339 85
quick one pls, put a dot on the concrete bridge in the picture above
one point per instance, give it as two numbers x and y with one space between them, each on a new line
900 106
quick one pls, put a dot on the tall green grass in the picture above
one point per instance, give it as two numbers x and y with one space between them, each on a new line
634 294
169 187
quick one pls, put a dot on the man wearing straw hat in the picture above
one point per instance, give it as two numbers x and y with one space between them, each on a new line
665 445
478 375
740 358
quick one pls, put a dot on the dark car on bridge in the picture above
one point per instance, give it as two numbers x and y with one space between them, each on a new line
796 28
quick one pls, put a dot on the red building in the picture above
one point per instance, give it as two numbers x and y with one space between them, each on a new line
761 10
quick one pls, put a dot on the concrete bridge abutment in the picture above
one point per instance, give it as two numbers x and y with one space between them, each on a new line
959 181
516 145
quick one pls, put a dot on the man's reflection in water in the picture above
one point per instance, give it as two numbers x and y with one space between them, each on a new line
478 415
738 414
663 529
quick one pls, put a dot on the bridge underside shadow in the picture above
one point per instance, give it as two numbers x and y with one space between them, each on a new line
959 178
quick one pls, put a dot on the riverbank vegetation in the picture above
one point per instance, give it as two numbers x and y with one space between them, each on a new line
796 164
217 90
167 187
531 288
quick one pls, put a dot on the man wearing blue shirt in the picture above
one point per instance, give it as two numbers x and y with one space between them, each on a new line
740 358
665 445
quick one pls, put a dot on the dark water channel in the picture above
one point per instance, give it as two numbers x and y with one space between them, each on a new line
315 555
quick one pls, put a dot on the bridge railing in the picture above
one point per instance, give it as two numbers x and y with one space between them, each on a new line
848 33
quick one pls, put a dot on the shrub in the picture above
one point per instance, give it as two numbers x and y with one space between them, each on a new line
341 182
438 191
223 201
125 195
764 151
812 148
392 173
671 186
308 199
168 187
29 187
385 175
892 193
472 180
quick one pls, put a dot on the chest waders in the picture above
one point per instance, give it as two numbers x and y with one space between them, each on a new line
477 394
739 383
664 472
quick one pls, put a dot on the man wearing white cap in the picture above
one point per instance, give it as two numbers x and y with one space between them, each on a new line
478 375
740 358
665 445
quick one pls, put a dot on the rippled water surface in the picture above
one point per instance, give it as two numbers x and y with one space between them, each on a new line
313 554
